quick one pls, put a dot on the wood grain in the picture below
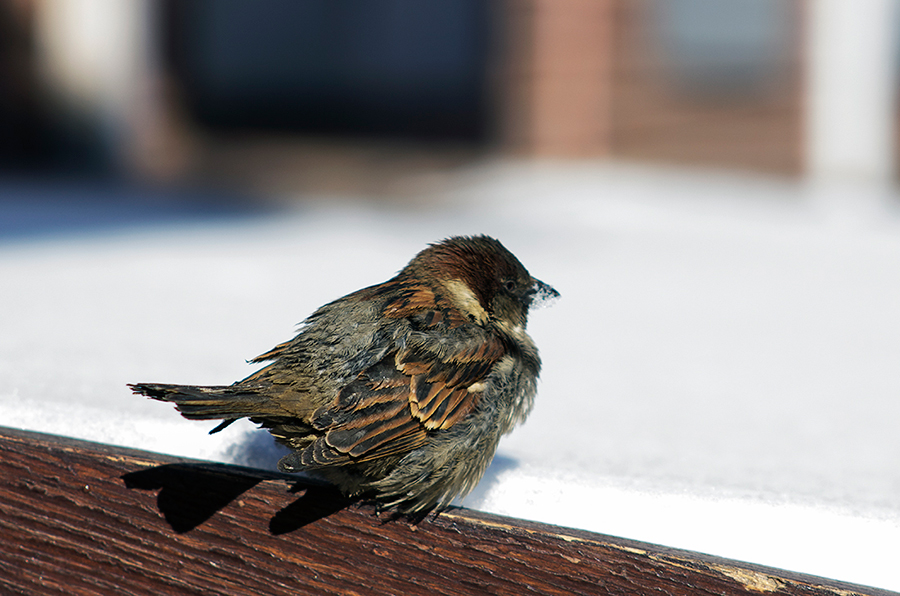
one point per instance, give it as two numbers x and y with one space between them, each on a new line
80 518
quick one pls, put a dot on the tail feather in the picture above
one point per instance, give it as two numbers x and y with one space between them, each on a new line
226 402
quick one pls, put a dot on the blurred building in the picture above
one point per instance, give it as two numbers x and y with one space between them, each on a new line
684 81
302 90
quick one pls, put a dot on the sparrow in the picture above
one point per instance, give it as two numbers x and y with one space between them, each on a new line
398 392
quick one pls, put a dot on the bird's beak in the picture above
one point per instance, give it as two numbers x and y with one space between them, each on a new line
542 295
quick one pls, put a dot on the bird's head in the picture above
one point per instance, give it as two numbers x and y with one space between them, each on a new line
483 279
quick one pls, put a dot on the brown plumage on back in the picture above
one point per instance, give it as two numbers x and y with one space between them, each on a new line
399 391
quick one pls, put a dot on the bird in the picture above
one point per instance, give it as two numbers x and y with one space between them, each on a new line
398 392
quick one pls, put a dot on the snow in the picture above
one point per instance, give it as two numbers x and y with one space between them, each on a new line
720 372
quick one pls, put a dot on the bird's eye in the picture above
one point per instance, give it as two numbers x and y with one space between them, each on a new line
509 285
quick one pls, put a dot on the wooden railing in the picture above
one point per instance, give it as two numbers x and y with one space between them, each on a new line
82 518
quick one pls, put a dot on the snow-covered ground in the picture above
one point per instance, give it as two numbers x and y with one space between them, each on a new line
722 372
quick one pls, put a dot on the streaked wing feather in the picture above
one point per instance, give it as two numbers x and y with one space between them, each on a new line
272 354
440 394
389 407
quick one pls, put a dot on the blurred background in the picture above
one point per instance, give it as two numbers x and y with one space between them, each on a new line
329 95
711 186
311 94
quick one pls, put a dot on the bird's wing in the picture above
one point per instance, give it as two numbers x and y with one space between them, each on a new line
445 388
389 407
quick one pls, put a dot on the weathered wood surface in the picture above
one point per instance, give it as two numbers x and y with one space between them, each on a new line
80 518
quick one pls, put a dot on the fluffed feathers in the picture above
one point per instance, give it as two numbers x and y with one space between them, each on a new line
400 390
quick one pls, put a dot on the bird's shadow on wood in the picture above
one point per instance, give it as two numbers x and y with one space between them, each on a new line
190 494
315 503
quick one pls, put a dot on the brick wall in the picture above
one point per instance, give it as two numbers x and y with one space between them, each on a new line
592 78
